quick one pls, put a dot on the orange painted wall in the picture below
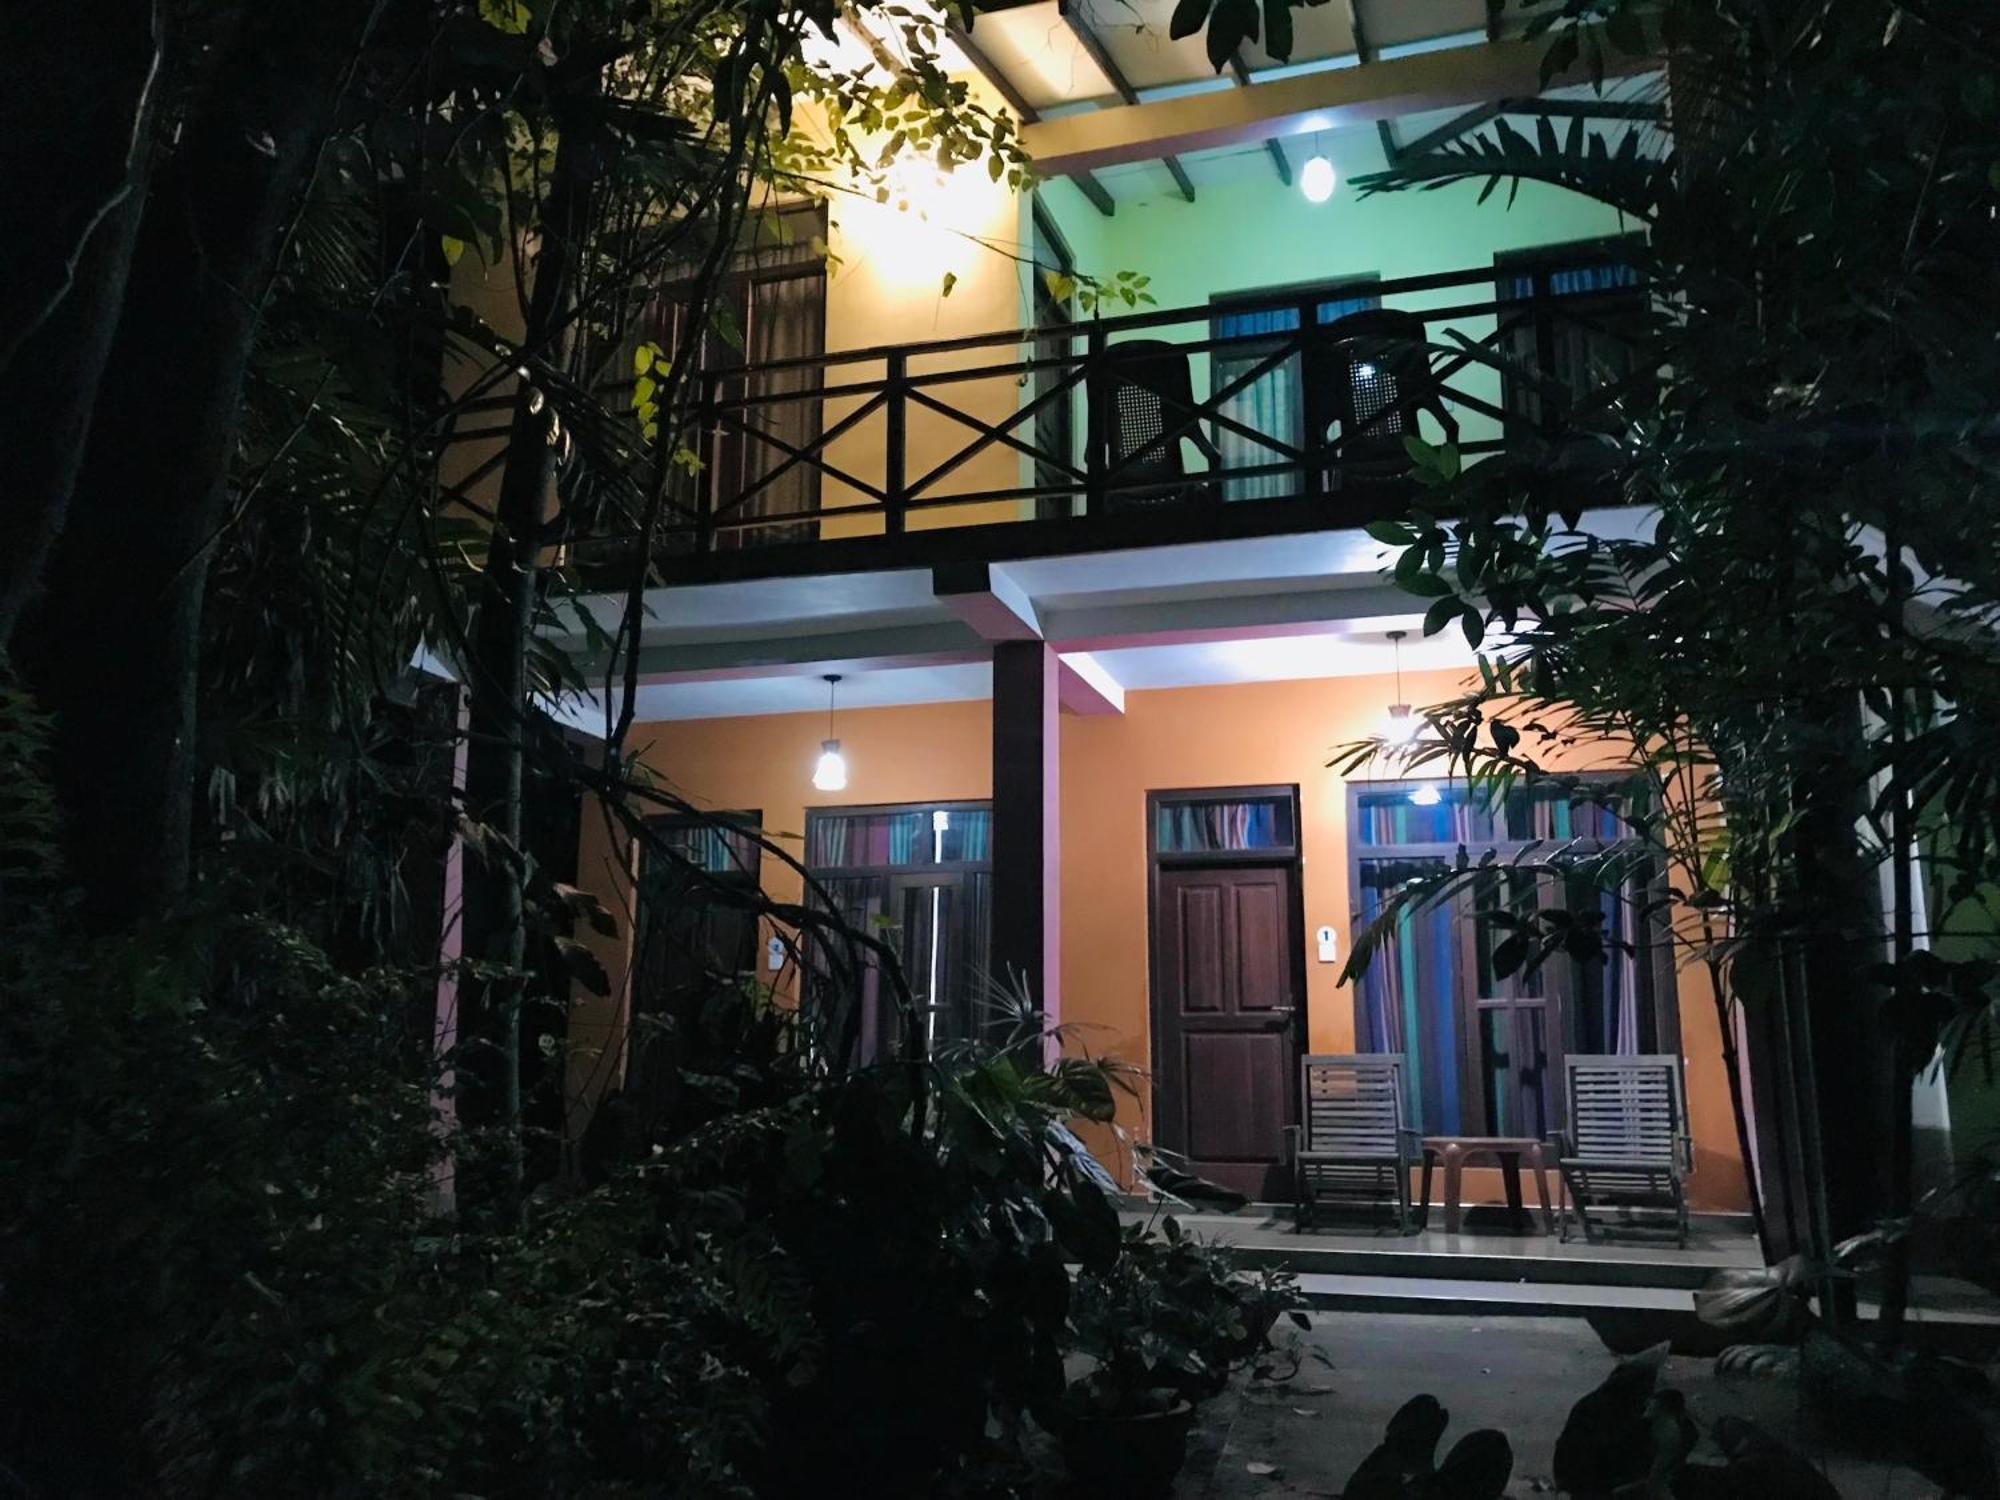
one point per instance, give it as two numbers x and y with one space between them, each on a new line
764 764
1280 732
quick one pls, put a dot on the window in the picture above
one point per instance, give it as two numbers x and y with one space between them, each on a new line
1484 1050
692 935
1273 402
1223 825
1580 334
919 877
770 306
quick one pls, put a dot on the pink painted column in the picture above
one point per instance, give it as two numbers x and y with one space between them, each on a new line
1027 830
451 953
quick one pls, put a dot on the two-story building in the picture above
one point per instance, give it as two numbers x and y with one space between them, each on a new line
1031 631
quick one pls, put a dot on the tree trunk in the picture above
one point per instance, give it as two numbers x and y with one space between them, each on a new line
78 131
114 644
489 1062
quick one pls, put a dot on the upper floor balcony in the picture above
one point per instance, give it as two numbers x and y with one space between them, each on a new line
1168 339
1284 410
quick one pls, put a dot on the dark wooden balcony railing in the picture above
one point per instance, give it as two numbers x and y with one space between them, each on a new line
1154 411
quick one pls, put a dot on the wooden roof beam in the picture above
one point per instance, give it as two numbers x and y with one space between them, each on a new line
1093 46
1328 100
1026 113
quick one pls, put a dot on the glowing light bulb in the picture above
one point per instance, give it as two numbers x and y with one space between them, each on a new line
1317 180
830 775
1403 726
1426 796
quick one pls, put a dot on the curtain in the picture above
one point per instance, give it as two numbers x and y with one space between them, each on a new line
1409 1002
1586 348
880 854
1209 827
1269 404
1272 403
786 319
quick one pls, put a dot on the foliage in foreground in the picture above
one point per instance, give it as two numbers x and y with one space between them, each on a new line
1790 659
225 1273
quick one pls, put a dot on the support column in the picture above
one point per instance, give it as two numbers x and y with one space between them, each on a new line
1027 836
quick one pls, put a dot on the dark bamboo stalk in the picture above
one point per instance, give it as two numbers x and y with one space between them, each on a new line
489 1068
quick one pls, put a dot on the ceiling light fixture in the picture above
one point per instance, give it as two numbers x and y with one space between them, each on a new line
1317 179
1404 726
830 775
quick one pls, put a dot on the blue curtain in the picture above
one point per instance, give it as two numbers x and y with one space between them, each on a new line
1269 404
1339 307
1272 402
1409 1005
1567 281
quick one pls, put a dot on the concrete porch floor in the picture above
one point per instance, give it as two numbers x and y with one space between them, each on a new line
1631 1291
1361 1263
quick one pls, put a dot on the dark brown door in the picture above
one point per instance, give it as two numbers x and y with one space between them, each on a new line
1228 982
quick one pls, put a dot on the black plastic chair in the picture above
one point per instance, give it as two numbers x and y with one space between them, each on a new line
1370 374
1140 392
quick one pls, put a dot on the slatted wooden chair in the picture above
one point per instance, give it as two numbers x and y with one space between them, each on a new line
1627 1146
1353 1142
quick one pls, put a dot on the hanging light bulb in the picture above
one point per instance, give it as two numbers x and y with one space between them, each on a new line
1403 725
830 775
1317 179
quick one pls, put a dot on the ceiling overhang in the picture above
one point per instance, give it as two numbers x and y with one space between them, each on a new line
1332 99
1232 610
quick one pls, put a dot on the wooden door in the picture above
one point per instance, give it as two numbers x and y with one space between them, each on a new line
1228 987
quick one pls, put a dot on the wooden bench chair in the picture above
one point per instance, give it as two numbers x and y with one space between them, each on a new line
1627 1146
1353 1142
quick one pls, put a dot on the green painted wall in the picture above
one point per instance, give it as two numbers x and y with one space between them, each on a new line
1251 232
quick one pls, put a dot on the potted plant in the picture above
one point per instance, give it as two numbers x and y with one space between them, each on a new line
1155 1333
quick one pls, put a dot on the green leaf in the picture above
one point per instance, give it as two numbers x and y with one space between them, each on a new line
950 281
1440 614
1278 29
1188 18
509 16
453 248
1473 623
1233 23
1392 533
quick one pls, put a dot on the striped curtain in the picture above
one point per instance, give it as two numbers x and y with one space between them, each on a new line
1409 1002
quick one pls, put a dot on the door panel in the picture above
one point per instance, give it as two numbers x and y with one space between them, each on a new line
1228 978
1252 1070
1263 959
1201 980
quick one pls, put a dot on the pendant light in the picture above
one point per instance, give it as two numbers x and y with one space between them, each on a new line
1403 726
830 775
1317 178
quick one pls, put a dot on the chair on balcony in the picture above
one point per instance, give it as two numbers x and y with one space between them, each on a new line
1353 1142
1139 392
1370 374
1627 1147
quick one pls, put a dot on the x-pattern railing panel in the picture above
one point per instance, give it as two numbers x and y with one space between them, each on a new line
1024 398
